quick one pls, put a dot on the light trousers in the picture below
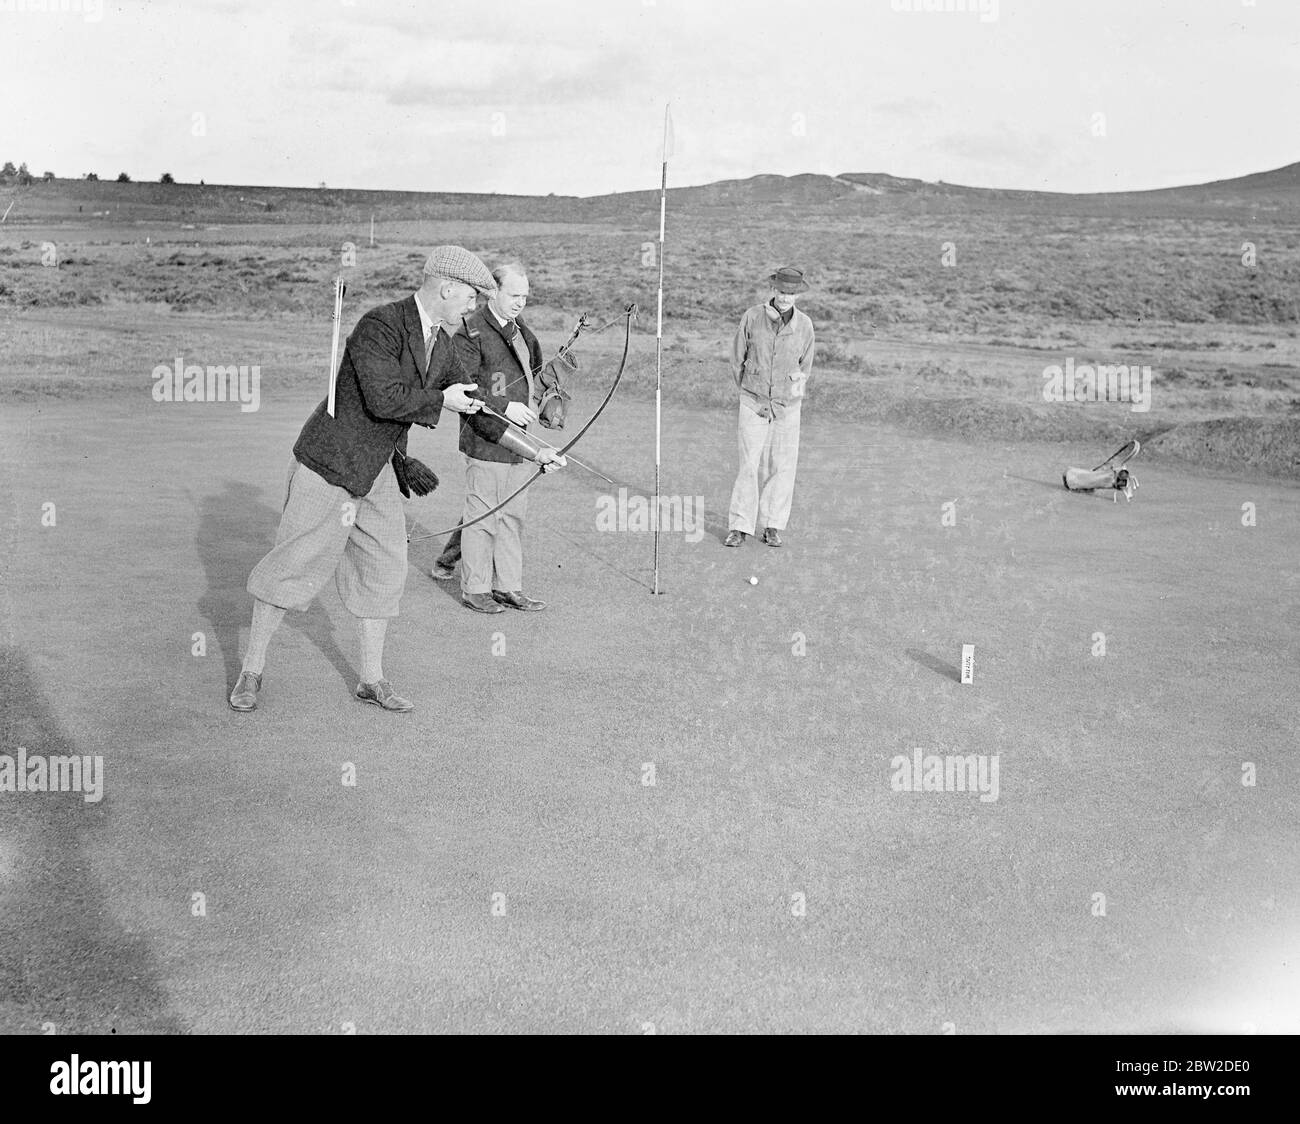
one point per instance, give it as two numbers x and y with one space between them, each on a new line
492 552
769 456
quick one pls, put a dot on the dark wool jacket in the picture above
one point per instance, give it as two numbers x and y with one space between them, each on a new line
382 389
483 353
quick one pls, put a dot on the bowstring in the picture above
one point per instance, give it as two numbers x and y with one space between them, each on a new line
629 314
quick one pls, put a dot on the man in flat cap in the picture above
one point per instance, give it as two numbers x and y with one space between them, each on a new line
343 511
771 360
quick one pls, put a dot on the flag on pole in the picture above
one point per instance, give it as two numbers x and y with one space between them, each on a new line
659 333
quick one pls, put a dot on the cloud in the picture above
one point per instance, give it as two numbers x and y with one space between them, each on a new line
535 27
484 73
1003 147
907 109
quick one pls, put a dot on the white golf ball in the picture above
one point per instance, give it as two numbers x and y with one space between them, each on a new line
753 581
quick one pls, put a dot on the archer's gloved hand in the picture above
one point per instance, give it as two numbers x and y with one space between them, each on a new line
550 460
456 397
520 414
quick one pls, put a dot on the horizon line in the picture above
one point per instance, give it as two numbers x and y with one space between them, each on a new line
654 190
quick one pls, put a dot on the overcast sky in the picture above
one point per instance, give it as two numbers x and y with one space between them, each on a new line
568 97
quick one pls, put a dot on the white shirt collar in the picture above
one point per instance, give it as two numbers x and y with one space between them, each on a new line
503 321
426 321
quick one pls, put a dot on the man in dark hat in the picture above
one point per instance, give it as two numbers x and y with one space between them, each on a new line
771 361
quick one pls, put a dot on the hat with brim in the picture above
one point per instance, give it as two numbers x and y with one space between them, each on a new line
787 279
458 264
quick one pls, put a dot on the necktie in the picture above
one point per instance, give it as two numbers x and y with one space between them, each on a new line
429 342
516 341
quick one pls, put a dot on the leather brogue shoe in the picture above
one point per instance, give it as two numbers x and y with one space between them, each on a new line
480 603
382 694
517 600
244 696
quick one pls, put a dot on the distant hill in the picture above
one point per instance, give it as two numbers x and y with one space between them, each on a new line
805 188
1280 186
1280 183
62 199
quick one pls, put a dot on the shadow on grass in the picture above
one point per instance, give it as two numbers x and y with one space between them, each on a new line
424 544
1055 487
935 664
64 959
235 529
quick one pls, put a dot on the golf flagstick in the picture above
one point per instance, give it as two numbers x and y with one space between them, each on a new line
334 349
659 331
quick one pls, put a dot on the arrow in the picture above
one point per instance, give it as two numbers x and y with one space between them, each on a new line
542 440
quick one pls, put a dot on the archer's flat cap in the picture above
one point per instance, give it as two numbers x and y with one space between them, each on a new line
459 264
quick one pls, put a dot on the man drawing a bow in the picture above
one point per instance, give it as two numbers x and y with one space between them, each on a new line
498 348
